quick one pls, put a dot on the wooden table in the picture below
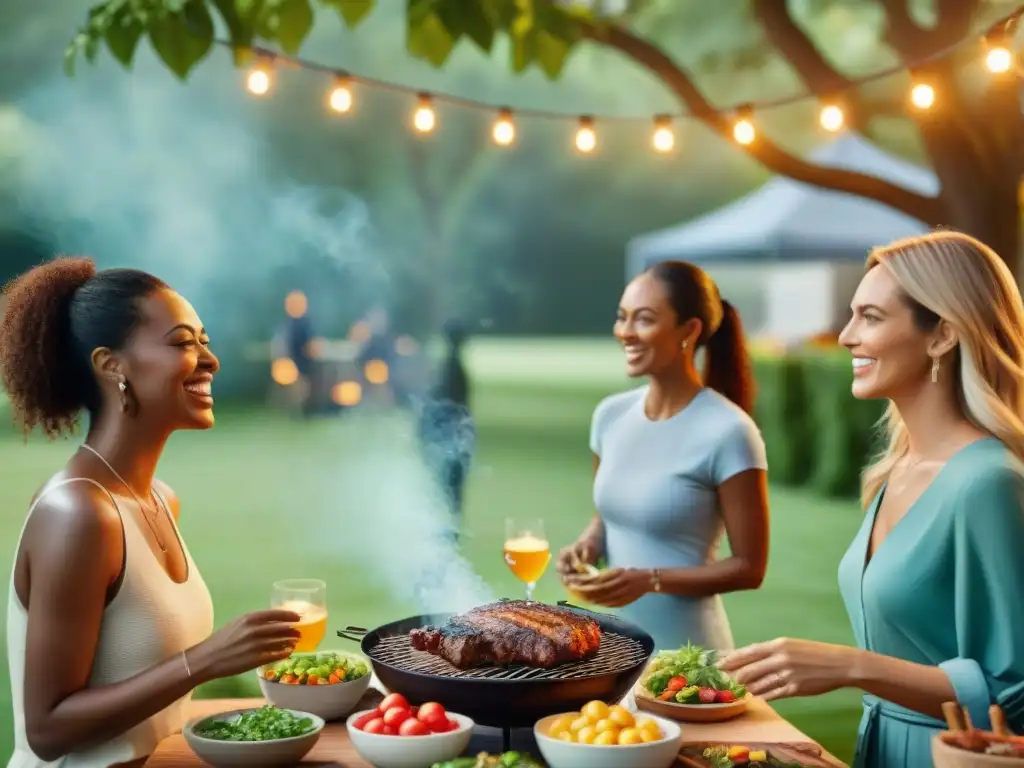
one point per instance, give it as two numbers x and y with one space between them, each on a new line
759 724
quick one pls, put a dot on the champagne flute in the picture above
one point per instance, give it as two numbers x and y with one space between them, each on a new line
308 598
527 552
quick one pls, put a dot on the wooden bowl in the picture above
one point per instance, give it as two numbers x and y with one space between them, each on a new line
689 713
947 756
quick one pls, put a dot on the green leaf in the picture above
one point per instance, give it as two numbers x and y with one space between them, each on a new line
296 20
523 52
478 26
123 35
351 11
240 28
430 40
183 39
551 53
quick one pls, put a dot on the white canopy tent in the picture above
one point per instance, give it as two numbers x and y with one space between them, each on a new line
807 244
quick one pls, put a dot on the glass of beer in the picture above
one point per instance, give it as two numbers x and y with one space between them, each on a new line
308 598
527 552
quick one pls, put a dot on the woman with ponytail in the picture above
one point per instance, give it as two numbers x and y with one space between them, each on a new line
676 462
934 580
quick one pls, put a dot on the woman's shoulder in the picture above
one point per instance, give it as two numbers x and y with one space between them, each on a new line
988 469
78 508
618 403
729 418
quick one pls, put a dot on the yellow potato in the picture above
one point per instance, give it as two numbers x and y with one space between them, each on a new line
649 731
586 735
605 725
595 710
563 723
565 736
621 716
630 736
607 738
579 722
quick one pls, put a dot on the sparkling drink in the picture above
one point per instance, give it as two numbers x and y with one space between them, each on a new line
308 598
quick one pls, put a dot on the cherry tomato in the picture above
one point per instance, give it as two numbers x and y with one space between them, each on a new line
396 716
389 731
393 700
413 727
431 711
364 718
375 726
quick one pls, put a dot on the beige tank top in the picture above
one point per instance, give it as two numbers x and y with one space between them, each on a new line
151 619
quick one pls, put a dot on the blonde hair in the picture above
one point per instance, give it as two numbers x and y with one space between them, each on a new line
965 283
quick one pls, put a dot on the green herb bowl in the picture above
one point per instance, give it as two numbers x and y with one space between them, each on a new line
274 753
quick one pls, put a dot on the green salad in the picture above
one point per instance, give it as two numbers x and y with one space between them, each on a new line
267 723
323 668
690 676
485 760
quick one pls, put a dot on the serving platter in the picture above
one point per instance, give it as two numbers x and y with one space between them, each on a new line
689 713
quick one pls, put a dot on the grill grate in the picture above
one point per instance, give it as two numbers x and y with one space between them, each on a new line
616 653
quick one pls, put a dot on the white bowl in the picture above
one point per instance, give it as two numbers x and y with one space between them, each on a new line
410 751
251 754
653 754
331 702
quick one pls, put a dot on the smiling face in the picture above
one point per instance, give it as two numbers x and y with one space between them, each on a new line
891 351
169 365
648 328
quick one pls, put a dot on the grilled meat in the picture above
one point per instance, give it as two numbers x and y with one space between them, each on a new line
511 632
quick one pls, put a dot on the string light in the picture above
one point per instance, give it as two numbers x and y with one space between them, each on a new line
424 119
504 130
831 117
258 81
922 96
340 99
743 129
663 140
999 58
586 137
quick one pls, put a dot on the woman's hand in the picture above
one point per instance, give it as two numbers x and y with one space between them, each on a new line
585 551
786 667
246 643
612 588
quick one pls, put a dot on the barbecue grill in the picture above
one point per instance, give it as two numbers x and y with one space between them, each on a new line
506 697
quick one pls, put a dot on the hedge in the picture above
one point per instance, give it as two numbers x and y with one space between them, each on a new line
816 433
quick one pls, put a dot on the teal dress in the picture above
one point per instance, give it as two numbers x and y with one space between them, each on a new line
945 588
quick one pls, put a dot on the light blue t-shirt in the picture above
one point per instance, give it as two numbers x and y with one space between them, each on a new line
656 492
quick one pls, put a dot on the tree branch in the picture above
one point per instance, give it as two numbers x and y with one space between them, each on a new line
645 53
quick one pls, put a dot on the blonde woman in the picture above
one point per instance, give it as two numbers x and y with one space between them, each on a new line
934 580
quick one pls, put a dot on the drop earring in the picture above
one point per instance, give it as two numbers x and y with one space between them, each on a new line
935 369
122 385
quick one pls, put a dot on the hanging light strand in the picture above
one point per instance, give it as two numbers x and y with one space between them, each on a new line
996 52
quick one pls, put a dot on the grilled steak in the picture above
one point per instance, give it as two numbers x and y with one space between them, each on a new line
511 632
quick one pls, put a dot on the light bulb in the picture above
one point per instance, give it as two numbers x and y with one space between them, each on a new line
831 118
586 138
340 99
663 140
424 120
999 60
504 130
743 131
258 81
922 95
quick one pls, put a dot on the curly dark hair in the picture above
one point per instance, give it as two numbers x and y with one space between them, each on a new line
56 314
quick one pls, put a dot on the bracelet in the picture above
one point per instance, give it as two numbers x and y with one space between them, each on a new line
656 579
188 669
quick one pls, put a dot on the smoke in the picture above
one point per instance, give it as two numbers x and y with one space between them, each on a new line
400 526
137 169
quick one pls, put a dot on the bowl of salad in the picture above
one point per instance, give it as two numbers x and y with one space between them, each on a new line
264 737
687 685
326 683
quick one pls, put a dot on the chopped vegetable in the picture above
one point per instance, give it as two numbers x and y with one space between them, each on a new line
690 676
267 723
724 756
485 760
324 668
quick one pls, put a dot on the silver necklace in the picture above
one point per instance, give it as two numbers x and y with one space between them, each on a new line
138 501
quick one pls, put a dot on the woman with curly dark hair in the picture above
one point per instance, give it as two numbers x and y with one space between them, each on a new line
108 621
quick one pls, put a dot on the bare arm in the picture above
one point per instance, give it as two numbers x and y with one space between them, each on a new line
74 554
744 502
919 687
594 532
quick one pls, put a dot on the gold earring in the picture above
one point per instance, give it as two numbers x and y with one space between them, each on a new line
685 345
935 369
123 386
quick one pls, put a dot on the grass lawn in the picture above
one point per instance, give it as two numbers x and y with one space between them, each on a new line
267 497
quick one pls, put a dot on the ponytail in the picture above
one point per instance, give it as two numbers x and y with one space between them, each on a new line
727 368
